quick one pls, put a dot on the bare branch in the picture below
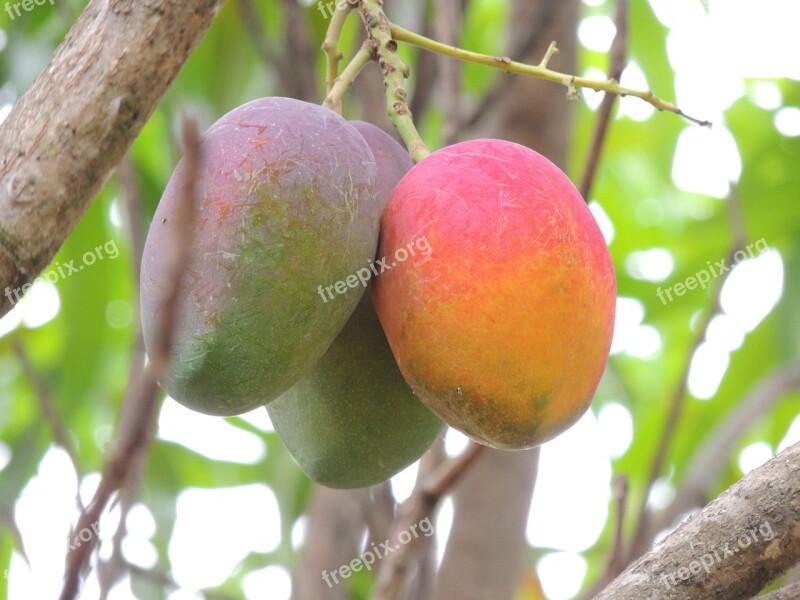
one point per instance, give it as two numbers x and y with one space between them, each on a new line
49 410
640 539
619 51
72 127
421 503
539 23
447 22
732 549
136 426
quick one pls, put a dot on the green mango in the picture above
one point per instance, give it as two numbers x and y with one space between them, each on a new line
353 421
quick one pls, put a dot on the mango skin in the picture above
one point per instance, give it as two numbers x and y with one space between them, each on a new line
504 331
287 204
353 421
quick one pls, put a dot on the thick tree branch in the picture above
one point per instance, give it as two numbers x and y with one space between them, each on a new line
732 549
65 135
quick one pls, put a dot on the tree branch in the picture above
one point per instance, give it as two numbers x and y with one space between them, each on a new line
732 549
571 82
618 52
73 126
136 425
447 24
641 540
421 503
539 22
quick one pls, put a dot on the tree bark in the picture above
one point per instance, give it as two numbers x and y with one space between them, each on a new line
486 551
62 139
335 525
732 549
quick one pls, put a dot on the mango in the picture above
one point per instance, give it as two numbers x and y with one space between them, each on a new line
353 421
504 330
287 202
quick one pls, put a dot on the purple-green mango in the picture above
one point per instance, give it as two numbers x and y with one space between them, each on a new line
287 202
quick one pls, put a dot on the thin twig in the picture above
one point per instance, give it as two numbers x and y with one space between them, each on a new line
425 66
110 571
48 409
266 49
640 541
422 502
618 54
134 434
330 46
343 82
571 82
616 562
421 586
447 23
501 84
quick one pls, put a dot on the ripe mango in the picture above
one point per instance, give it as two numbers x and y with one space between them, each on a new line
505 330
287 202
353 421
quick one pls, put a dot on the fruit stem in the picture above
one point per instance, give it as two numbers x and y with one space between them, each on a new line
330 46
395 71
343 82
571 82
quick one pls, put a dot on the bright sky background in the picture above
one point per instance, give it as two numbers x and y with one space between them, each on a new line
713 53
